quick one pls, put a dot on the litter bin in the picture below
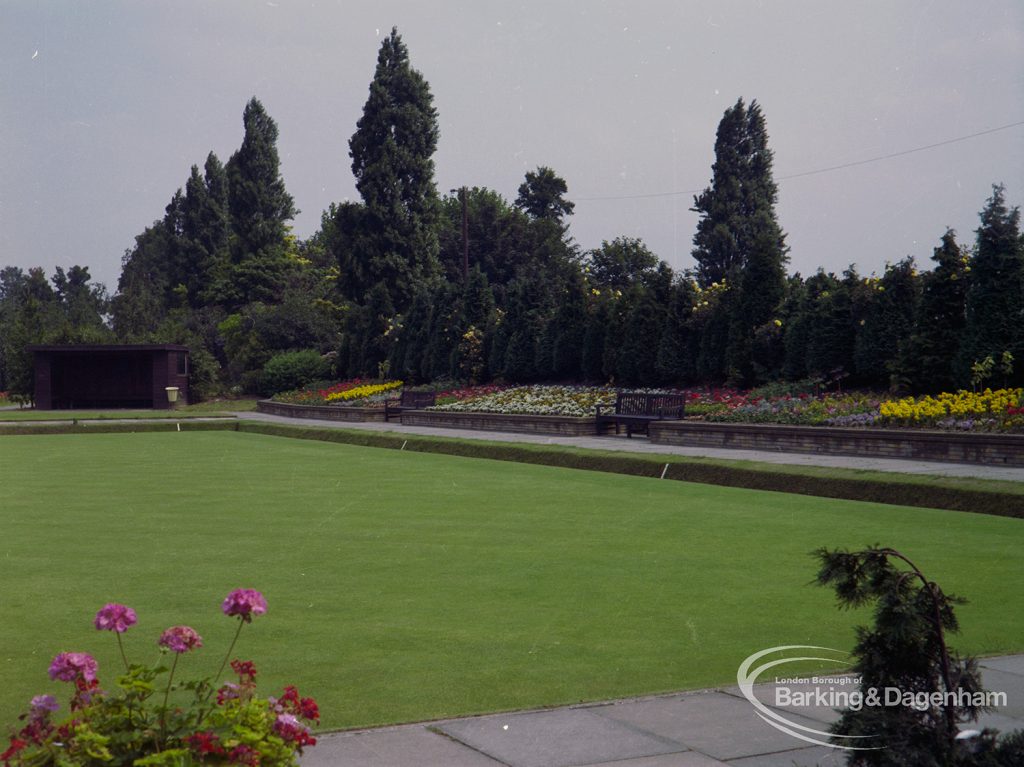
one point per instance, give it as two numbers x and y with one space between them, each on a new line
172 396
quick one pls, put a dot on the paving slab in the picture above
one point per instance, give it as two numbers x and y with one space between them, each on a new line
995 721
713 723
1011 664
683 759
557 738
767 694
994 680
393 747
815 756
709 728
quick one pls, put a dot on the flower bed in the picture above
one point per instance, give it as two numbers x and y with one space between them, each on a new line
803 410
999 410
574 401
357 392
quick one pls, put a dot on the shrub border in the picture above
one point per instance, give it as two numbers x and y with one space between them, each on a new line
874 487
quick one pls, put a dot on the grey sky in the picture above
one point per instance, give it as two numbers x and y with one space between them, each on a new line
104 106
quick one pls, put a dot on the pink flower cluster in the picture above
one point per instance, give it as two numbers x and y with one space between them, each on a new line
115 617
69 666
180 639
244 603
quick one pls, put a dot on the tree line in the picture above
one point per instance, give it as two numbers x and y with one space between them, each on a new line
408 283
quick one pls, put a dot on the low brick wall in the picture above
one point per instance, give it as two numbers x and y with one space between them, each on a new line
321 412
996 449
565 426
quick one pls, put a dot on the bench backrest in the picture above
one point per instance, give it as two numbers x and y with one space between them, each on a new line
415 400
628 403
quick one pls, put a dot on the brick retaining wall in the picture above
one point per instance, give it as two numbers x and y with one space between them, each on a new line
995 449
565 426
321 412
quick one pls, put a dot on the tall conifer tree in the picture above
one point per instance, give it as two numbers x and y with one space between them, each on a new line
995 301
260 208
738 237
942 318
392 237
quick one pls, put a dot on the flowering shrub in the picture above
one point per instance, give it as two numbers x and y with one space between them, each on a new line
136 724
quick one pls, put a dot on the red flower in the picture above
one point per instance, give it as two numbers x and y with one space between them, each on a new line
16 745
245 669
203 743
244 755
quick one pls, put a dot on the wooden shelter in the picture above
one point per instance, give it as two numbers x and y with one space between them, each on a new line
109 376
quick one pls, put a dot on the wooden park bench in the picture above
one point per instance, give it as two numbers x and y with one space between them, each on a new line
635 411
410 400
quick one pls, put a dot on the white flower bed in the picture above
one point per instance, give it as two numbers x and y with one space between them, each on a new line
576 401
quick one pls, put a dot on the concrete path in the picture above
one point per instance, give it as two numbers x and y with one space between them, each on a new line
694 729
642 445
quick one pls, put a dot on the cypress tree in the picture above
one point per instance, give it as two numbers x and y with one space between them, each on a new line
259 203
594 337
570 321
885 324
831 335
394 234
995 300
260 208
670 364
739 240
644 323
941 320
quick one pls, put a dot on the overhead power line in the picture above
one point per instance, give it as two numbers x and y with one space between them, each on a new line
817 171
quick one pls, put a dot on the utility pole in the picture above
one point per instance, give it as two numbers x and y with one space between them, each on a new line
465 235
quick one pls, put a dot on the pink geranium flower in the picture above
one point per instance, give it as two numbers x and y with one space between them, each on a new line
244 603
68 666
43 705
180 639
115 617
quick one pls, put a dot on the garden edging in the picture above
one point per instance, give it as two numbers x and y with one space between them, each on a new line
997 449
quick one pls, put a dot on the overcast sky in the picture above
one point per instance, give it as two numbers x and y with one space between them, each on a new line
104 106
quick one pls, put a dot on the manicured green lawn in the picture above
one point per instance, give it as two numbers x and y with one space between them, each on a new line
406 586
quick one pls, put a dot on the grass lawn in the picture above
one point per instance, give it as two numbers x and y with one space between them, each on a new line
406 586
210 409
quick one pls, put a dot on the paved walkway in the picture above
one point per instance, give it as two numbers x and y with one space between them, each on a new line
694 729
642 445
